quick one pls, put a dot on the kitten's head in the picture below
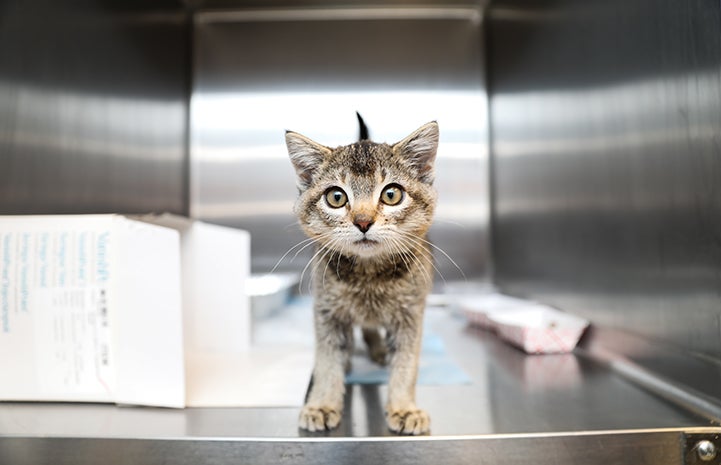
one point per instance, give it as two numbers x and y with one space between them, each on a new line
366 199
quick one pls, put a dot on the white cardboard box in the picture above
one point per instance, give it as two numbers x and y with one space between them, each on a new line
219 367
90 306
215 272
89 310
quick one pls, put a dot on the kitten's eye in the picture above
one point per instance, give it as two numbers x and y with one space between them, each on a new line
392 194
335 197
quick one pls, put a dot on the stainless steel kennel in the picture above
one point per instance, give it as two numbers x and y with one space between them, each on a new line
580 166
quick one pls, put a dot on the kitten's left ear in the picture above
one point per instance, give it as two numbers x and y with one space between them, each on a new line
420 149
306 155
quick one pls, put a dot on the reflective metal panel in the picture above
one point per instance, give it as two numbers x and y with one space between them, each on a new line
93 106
639 448
260 72
606 128
509 393
519 409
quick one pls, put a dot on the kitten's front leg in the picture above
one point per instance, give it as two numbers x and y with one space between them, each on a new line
402 415
324 405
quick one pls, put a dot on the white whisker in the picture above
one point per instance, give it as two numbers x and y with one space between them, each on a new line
424 241
307 243
332 249
329 250
321 250
416 241
412 256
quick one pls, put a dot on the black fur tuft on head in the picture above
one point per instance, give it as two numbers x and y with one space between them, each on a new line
363 129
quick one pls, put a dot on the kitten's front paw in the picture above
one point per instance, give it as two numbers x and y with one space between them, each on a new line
319 418
411 421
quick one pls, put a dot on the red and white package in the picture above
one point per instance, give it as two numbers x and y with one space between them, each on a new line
541 330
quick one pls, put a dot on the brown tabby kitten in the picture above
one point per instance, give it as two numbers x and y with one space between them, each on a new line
368 207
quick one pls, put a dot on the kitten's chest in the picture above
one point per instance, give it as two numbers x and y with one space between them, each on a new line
375 296
371 304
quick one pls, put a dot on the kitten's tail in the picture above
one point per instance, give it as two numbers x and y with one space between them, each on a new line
363 129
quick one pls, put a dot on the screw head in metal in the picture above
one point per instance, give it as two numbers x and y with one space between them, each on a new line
706 450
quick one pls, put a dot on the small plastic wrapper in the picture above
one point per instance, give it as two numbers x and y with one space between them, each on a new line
479 308
533 327
541 330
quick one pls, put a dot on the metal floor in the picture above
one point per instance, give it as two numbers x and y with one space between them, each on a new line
554 405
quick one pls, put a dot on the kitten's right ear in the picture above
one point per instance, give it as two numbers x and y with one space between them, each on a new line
306 155
420 149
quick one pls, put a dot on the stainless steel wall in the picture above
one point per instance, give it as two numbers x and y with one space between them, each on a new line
606 153
258 72
93 106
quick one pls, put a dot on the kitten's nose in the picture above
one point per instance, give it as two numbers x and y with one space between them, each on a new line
364 224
